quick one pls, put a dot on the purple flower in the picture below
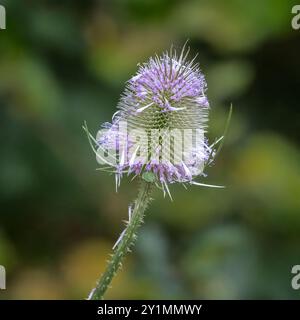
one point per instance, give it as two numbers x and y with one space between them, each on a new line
158 131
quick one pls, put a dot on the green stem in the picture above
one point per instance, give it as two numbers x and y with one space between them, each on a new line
126 242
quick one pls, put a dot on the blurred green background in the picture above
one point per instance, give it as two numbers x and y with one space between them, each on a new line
63 62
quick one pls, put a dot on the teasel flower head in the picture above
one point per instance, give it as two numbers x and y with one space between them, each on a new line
158 132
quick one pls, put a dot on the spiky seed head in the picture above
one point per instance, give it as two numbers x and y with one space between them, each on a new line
159 129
